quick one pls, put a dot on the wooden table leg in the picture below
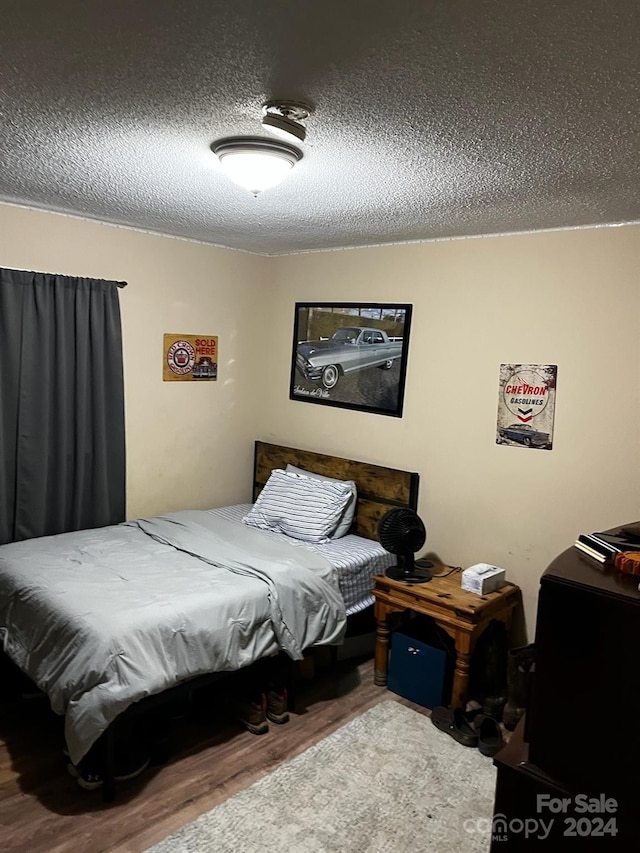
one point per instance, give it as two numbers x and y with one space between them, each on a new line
382 646
460 688
465 642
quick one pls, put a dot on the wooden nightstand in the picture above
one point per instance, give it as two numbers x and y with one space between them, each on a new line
463 615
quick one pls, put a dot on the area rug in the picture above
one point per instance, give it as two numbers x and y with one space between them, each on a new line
387 781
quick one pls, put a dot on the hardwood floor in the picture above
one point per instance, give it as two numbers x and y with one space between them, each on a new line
42 809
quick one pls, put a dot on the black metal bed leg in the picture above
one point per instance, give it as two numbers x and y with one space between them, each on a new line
109 750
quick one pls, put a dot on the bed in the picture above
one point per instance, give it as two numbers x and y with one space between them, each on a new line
105 620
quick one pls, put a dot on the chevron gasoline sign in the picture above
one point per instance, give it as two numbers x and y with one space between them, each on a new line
526 405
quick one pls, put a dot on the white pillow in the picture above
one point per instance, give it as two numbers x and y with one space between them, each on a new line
300 507
344 525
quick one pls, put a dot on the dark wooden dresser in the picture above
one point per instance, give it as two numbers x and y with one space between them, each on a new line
575 757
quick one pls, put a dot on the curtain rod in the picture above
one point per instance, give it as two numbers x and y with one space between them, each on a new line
65 275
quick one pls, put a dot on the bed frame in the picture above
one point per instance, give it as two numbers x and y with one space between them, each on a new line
379 488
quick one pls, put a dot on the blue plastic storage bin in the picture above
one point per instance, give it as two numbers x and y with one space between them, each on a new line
418 671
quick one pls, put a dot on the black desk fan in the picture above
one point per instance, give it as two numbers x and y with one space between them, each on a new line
401 532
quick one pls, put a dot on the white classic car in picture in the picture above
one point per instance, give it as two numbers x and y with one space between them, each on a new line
351 348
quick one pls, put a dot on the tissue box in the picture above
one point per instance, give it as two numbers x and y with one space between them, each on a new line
482 578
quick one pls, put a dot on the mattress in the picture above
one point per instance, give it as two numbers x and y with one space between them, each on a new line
356 559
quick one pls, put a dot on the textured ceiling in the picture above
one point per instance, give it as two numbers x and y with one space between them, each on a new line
432 119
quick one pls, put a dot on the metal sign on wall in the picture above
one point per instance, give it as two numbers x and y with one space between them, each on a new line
190 357
526 405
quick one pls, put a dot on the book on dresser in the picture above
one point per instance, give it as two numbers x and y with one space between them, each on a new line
605 546
582 544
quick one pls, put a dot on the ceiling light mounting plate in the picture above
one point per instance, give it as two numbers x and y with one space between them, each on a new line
286 119
293 110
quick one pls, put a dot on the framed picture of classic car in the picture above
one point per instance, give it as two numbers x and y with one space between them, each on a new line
352 355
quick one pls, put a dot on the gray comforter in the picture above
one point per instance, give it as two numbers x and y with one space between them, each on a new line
102 618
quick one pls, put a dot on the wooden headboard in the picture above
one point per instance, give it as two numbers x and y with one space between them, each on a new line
379 488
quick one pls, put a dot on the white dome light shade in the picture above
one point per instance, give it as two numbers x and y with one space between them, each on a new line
254 163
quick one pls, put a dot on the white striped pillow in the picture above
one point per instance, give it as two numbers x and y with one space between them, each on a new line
299 507
345 522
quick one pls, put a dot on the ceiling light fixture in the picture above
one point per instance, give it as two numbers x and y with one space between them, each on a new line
256 163
286 119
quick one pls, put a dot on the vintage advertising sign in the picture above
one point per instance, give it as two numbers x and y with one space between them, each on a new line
190 357
526 405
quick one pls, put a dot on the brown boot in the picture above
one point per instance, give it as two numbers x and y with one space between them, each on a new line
519 663
252 713
277 706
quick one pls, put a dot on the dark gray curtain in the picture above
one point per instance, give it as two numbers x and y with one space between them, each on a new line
62 444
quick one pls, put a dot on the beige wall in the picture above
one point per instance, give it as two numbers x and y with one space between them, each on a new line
568 298
189 445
